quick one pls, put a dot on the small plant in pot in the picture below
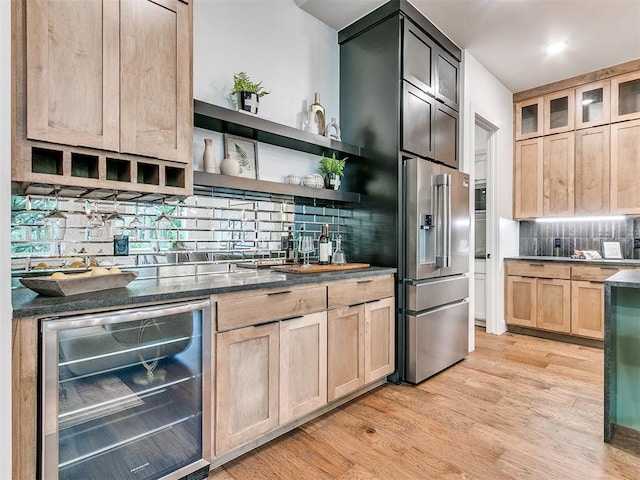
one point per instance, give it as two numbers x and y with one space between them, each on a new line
247 93
333 170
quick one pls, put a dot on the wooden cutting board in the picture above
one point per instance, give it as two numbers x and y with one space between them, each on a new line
315 268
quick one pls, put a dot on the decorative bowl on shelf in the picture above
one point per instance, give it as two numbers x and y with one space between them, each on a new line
313 180
292 180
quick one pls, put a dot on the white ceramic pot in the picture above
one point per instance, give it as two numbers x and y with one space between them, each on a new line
230 166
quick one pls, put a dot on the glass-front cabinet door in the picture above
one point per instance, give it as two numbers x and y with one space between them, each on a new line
447 80
559 112
418 51
529 118
625 97
593 104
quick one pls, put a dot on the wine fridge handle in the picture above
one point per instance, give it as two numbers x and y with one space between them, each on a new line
121 316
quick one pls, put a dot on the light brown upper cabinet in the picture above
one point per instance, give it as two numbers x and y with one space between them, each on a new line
156 100
592 154
114 76
527 187
558 174
529 117
559 112
625 97
625 167
593 104
73 83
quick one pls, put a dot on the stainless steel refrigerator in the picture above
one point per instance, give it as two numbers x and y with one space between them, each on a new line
436 270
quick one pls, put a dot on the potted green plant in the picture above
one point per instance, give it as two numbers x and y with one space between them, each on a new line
247 93
333 170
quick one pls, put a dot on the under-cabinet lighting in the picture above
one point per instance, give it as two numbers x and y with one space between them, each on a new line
600 218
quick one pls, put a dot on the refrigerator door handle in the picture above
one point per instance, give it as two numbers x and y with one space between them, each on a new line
442 188
447 221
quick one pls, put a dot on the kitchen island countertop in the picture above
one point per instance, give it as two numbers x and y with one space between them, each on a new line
27 303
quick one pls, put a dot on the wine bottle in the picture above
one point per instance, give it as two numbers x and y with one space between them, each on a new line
299 255
325 246
290 255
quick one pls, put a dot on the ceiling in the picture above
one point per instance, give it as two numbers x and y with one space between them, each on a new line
509 37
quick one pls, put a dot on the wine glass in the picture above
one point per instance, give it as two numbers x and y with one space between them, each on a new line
163 224
136 225
95 222
306 248
55 222
114 221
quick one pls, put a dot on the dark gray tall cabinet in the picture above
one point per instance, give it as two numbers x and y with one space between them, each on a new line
399 97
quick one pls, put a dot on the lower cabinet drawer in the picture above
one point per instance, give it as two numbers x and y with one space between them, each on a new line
274 304
593 273
362 290
539 270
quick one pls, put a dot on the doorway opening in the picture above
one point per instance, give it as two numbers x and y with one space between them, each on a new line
483 162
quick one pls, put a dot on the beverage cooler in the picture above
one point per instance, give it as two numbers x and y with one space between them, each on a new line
126 394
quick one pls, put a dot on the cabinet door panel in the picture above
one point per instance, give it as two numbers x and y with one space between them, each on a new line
553 305
593 104
558 174
625 97
73 72
155 82
417 119
246 384
521 301
345 351
303 365
379 357
559 112
527 189
592 171
587 309
528 114
447 79
625 167
445 137
418 53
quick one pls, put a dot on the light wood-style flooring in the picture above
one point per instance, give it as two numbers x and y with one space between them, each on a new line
518 407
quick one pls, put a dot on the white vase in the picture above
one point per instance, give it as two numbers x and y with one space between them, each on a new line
230 165
208 157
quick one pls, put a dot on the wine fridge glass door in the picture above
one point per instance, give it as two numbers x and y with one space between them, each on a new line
126 394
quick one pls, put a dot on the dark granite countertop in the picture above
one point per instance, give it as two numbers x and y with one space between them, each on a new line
27 303
624 278
605 261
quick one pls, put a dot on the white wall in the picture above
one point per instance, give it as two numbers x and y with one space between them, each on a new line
291 52
5 257
485 96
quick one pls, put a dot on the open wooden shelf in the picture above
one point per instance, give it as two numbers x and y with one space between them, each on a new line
223 183
224 120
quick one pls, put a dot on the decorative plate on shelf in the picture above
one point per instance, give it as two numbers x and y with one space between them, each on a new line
76 284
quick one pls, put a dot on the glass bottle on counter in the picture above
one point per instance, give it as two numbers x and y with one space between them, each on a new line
290 247
324 246
299 256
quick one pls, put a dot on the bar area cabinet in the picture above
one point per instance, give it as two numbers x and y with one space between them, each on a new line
104 94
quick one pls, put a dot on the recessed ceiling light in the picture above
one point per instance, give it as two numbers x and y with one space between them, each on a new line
557 47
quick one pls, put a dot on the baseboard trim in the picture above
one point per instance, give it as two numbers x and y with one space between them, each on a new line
587 342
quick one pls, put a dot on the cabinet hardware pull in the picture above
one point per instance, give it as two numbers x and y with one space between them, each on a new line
292 318
365 281
608 268
279 293
536 264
